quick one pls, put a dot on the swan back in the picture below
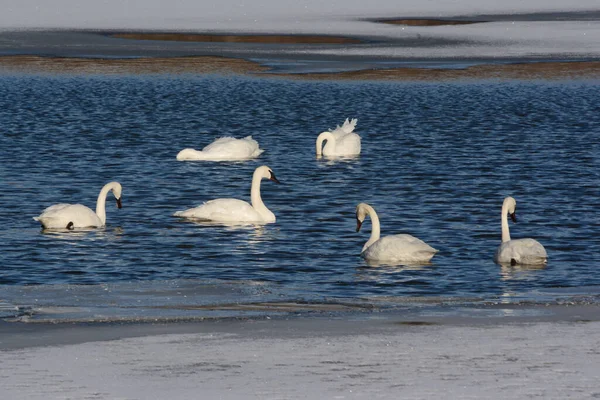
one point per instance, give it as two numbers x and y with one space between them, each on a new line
521 251
68 216
223 149
402 247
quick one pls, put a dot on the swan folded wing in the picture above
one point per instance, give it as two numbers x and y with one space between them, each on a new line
348 144
402 247
59 216
229 147
223 210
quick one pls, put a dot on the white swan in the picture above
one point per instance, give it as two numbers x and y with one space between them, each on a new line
233 210
518 251
224 149
342 141
401 247
71 216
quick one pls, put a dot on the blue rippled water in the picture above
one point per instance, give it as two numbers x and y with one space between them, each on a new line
437 161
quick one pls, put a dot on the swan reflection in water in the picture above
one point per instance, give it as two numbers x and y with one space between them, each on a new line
256 233
520 272
387 273
85 233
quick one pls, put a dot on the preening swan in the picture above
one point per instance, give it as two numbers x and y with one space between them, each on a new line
224 149
401 247
71 216
518 251
342 141
233 210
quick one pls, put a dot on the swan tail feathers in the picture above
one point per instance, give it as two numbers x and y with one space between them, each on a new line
349 125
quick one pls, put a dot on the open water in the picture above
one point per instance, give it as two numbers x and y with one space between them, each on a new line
437 161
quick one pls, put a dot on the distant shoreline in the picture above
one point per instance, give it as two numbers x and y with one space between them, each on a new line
553 70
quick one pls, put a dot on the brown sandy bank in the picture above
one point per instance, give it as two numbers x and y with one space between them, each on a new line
224 65
170 65
278 39
525 71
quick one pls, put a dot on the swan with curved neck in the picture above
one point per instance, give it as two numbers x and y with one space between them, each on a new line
234 210
517 251
72 216
224 149
340 142
402 247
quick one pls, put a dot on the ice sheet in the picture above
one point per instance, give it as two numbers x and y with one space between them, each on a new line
545 360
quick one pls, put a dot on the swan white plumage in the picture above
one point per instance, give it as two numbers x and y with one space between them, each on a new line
234 210
342 141
72 216
517 251
224 149
402 247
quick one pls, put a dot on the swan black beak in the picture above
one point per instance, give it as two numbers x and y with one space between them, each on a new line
119 205
358 224
273 178
513 216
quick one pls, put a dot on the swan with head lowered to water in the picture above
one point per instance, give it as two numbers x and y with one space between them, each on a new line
233 211
517 251
398 248
224 149
72 216
341 142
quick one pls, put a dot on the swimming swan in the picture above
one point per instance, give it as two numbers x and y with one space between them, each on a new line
518 251
224 149
233 210
401 247
71 216
342 141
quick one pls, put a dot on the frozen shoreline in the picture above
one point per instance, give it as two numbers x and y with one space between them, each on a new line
311 358
355 38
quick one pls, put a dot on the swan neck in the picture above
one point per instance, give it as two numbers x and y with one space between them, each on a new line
255 197
375 228
505 231
323 137
101 203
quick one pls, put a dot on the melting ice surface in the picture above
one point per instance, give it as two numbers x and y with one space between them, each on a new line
437 161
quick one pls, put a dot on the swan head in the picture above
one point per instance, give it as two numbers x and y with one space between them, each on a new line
361 213
510 205
117 192
267 173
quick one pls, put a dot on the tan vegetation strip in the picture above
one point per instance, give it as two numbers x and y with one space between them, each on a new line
425 22
271 39
525 71
172 65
